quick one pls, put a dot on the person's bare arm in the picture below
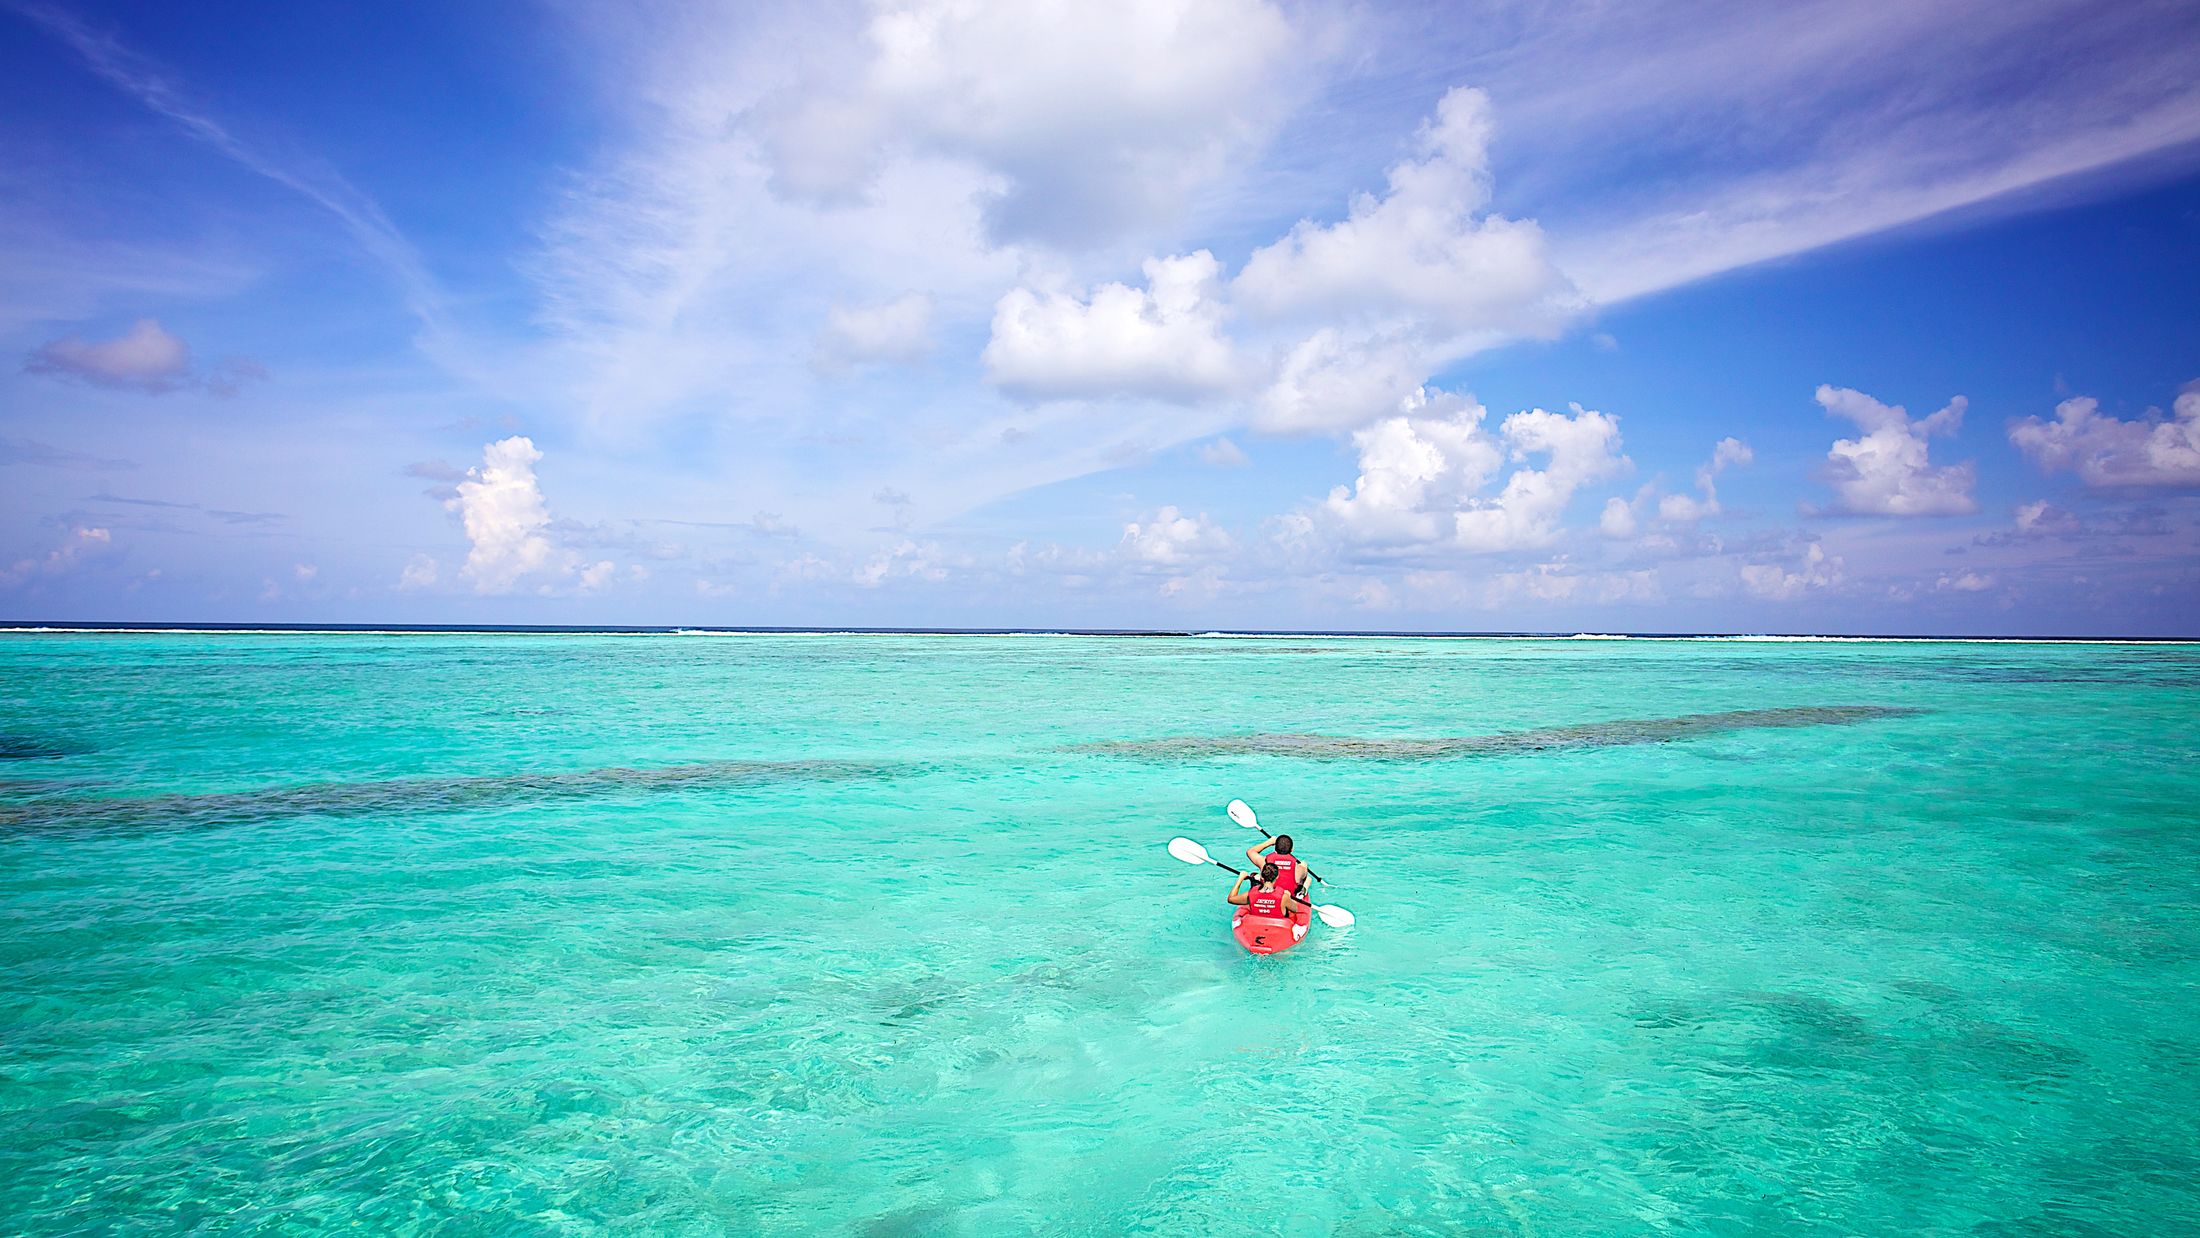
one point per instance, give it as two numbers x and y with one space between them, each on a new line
1238 896
1254 853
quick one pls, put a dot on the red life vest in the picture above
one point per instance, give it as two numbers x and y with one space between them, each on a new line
1259 902
1287 872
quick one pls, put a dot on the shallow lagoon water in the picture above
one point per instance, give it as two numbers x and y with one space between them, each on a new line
877 935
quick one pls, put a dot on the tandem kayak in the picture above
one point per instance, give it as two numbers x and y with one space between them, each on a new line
1268 934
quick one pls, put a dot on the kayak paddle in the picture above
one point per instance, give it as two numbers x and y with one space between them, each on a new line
1192 853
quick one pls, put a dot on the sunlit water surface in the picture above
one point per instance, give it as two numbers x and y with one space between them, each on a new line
510 934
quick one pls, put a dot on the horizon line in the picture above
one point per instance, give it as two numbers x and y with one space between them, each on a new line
124 627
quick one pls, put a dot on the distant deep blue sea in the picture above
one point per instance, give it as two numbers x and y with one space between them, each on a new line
528 933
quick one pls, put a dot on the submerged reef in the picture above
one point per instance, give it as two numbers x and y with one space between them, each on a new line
1616 734
400 795
14 747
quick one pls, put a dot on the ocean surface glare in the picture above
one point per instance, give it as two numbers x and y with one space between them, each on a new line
520 934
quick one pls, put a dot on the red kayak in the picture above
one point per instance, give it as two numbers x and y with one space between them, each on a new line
1268 934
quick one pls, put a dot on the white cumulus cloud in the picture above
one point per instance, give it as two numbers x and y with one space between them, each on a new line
84 544
1576 451
2108 452
1817 570
509 525
1688 509
1406 283
1423 473
1224 453
2041 518
1091 120
1886 471
145 358
1336 379
420 572
1964 582
1618 518
1425 250
1417 469
906 558
506 518
1171 539
1163 341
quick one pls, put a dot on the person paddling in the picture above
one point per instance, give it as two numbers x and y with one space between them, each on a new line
1266 897
1290 874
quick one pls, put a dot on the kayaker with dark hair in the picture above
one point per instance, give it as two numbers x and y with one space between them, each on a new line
1266 897
1290 874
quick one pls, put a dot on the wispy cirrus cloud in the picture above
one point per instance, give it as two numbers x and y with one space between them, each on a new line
897 332
54 276
140 78
225 515
1674 141
30 451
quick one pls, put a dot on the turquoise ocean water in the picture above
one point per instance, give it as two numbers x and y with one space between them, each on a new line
514 934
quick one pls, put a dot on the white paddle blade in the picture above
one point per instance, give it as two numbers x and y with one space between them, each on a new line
1333 915
1188 851
1242 813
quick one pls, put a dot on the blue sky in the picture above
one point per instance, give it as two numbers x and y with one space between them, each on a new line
1525 316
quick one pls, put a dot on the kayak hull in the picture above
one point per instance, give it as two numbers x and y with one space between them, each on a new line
1269 934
